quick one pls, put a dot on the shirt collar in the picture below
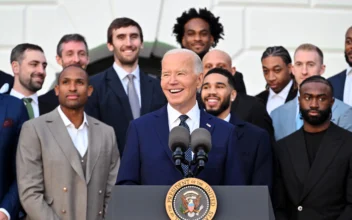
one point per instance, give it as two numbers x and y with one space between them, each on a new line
174 115
283 94
18 95
349 70
227 118
122 73
67 121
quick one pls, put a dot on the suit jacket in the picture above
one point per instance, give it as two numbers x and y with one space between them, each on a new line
52 182
148 159
109 101
48 102
320 191
251 110
13 114
239 83
6 79
264 96
254 145
338 83
284 117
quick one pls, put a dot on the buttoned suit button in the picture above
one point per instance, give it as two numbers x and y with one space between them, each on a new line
100 213
63 211
300 208
64 189
100 192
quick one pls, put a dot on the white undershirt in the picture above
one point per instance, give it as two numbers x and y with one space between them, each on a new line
277 99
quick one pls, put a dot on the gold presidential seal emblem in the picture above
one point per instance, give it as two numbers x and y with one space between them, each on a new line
191 199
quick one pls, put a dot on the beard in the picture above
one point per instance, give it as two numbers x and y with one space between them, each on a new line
347 60
223 106
30 84
323 116
128 61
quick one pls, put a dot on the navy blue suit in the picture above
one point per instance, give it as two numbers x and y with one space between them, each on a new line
338 83
109 101
13 114
148 159
255 151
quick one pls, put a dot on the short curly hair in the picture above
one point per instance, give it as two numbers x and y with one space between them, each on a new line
216 28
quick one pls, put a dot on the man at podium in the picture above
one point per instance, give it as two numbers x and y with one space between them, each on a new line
148 160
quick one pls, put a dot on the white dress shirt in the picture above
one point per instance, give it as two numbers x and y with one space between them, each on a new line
122 74
78 136
34 103
277 99
227 119
347 92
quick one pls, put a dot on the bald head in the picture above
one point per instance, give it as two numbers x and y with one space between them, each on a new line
349 30
73 67
217 59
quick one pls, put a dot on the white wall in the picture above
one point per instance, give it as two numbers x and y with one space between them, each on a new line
250 27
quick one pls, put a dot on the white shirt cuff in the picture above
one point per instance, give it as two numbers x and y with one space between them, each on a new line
5 212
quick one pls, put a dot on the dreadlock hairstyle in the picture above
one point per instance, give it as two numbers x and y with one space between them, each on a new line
216 28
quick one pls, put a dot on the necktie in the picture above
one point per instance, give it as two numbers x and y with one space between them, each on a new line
27 102
133 97
188 153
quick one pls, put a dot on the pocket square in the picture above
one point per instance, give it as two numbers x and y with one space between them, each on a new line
7 123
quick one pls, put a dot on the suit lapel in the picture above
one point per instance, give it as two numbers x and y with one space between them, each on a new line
94 146
116 86
63 139
330 145
162 129
289 117
299 156
206 121
146 93
340 85
238 123
292 93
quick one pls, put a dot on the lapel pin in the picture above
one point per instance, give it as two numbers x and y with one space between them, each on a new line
209 125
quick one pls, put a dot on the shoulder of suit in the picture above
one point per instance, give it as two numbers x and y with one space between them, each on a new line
343 107
99 76
254 129
343 72
10 99
263 94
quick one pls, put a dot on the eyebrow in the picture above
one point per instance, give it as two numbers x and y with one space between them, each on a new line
37 61
322 94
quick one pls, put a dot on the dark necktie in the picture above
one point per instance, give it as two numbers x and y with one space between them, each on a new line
188 153
28 103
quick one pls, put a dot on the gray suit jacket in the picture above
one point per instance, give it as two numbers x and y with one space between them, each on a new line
51 181
284 117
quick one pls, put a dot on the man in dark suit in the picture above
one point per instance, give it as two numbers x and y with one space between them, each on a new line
6 82
281 86
123 92
254 143
313 179
342 82
246 107
71 49
12 115
148 159
28 64
199 31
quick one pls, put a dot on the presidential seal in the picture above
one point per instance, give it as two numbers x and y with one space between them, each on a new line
191 199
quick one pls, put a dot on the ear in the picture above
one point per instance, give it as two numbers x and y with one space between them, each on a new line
293 70
233 95
211 40
322 69
142 45
199 80
183 41
110 47
332 102
57 90
90 90
233 70
59 60
15 67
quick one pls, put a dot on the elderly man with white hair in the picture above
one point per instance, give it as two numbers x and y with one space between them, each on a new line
148 159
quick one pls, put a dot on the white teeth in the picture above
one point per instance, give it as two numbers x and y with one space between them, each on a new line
175 90
212 100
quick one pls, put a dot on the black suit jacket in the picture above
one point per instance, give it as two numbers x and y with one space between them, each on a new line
254 145
338 83
239 83
265 95
322 191
252 110
48 102
109 101
6 78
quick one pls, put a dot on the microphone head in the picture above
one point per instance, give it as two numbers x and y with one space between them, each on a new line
179 137
201 137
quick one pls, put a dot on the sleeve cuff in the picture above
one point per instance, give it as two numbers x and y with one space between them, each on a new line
5 212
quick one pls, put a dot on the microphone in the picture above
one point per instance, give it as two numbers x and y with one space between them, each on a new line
201 145
179 140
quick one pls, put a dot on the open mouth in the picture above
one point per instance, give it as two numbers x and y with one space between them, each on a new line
212 101
175 91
